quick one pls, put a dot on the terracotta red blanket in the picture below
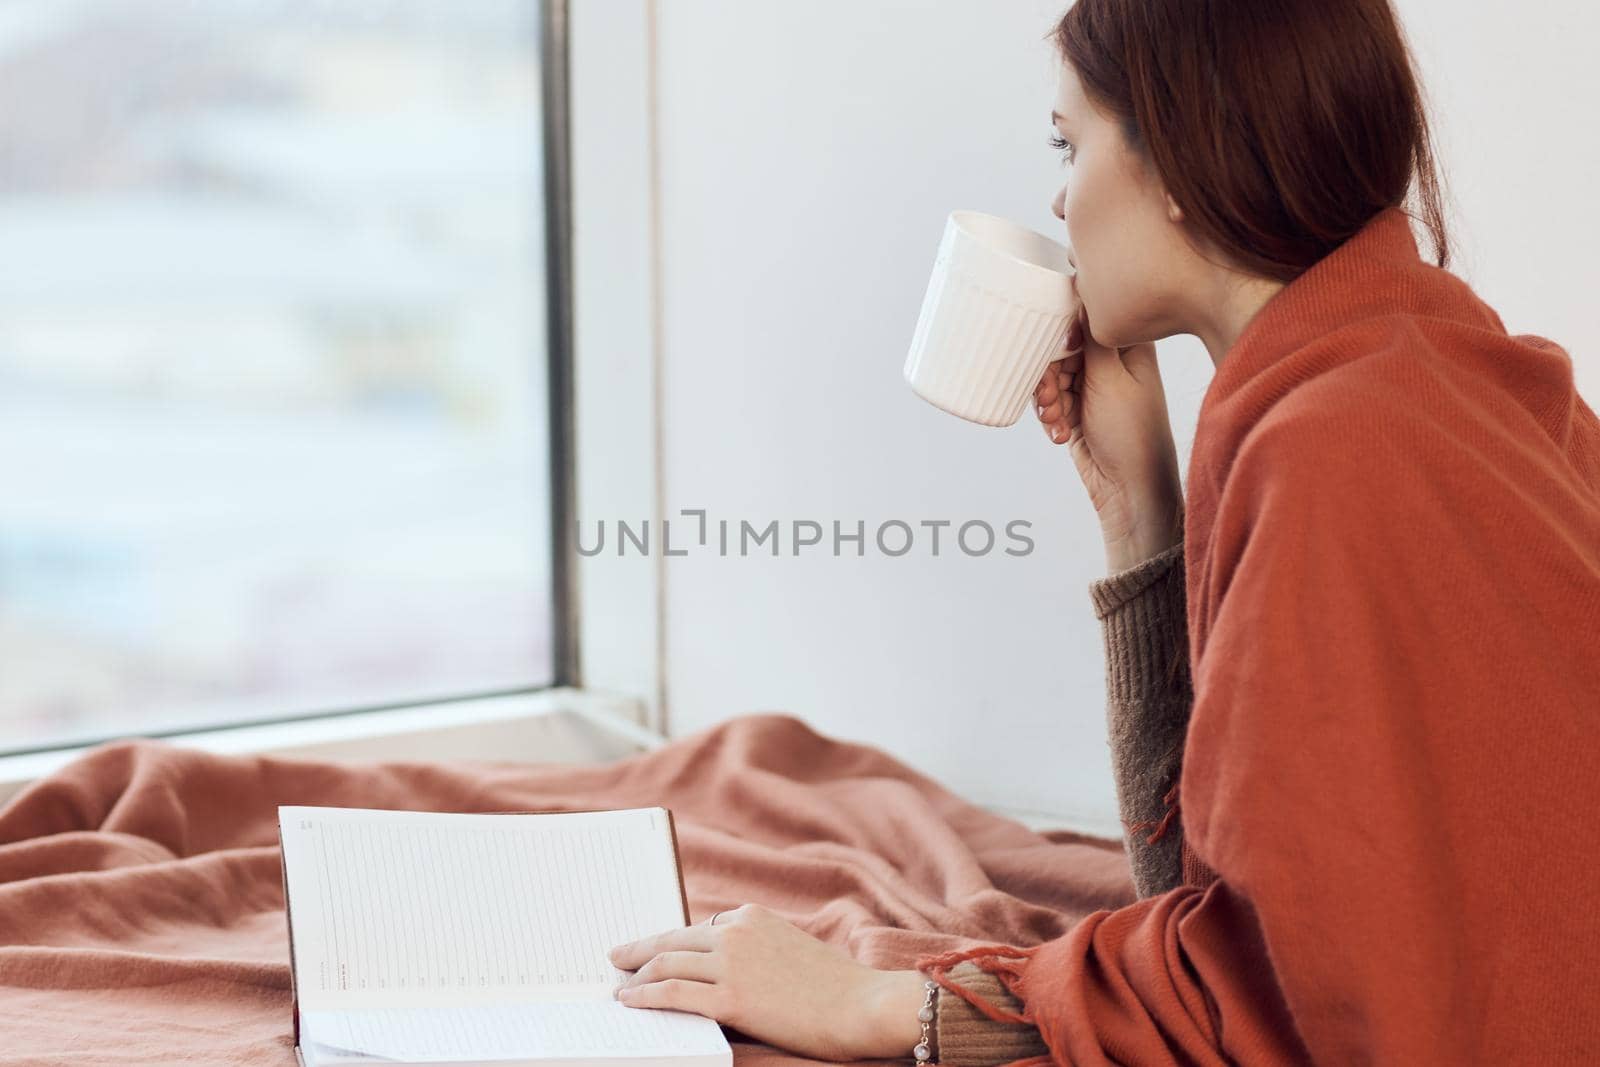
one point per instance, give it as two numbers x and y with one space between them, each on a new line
141 909
1392 557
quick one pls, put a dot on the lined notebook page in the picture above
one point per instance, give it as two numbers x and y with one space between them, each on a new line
552 1030
396 909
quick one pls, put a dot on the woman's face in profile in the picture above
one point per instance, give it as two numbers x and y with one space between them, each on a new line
1117 223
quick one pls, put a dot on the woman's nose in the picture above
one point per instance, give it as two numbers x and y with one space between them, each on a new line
1058 206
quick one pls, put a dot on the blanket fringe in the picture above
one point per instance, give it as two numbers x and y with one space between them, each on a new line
1161 825
1004 961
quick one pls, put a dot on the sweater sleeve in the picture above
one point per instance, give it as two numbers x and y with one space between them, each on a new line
1149 696
1148 699
965 1037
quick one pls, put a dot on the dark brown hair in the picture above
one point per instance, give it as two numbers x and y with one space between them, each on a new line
1280 127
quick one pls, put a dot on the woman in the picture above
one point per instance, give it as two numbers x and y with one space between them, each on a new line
1382 576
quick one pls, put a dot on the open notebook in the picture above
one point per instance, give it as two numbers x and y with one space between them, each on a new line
422 937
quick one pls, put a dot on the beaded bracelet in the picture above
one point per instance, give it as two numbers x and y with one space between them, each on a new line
926 1016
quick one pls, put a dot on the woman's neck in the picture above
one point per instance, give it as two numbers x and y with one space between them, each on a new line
1238 299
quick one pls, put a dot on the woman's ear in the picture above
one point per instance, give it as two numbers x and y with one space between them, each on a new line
1174 212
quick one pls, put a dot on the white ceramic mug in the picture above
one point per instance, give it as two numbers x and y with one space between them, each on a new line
995 314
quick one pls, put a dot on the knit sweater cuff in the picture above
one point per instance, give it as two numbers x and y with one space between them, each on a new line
965 1037
1143 611
1115 590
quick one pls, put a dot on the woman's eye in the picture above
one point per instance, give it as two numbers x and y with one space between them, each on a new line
1067 151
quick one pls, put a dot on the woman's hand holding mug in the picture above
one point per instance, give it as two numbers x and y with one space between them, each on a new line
998 296
1109 408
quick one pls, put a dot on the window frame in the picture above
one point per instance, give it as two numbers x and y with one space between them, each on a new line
562 694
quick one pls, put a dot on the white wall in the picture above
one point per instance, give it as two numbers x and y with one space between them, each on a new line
808 154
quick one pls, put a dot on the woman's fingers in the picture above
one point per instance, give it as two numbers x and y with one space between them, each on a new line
681 979
1051 413
1060 417
1057 403
1053 385
1045 392
1074 338
679 994
695 966
695 938
1055 400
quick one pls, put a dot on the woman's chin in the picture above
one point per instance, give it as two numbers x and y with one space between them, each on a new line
1113 335
1097 333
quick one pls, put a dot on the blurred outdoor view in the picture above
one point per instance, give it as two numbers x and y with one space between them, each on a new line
272 384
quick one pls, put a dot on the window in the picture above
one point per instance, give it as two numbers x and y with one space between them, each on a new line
274 432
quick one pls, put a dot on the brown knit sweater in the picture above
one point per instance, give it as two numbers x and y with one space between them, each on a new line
1149 695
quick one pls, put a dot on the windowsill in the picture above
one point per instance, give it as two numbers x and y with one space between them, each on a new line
550 726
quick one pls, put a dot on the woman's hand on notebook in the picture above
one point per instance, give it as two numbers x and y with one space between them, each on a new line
759 973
